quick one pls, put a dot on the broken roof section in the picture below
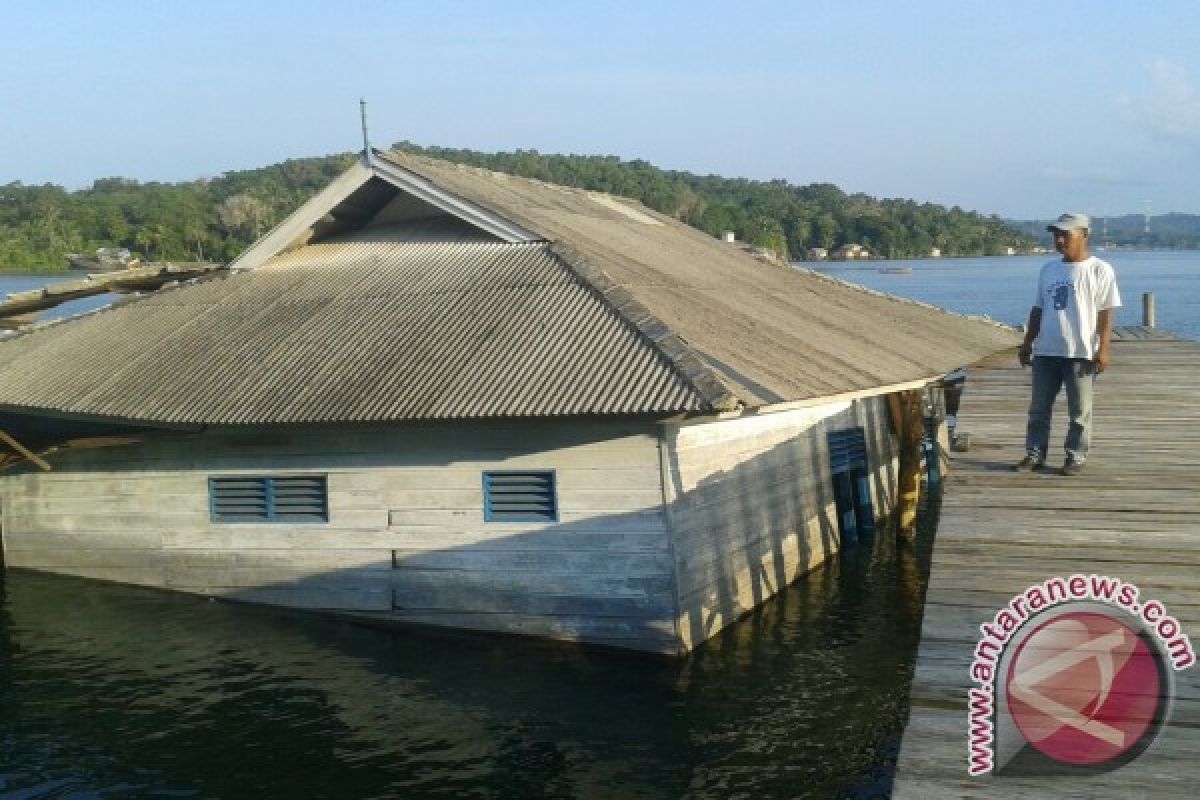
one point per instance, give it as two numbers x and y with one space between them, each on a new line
413 288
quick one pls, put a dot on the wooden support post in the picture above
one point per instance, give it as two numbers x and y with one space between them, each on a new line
943 449
939 433
907 412
1148 309
20 448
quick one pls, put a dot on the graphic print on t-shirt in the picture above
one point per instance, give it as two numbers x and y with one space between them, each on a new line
1062 293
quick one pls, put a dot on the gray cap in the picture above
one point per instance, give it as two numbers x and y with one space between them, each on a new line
1070 222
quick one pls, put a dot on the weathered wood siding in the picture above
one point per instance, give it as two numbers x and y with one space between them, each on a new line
406 536
751 504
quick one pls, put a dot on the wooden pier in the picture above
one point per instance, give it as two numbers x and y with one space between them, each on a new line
1133 514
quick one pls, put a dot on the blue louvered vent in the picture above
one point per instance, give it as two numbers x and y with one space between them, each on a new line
519 497
847 450
288 498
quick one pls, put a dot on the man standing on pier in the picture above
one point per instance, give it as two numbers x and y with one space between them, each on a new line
1067 341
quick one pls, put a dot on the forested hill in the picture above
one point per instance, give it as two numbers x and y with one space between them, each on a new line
776 214
211 219
215 219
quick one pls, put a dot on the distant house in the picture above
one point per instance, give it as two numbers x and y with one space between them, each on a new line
849 252
935 252
118 254
445 396
817 254
107 258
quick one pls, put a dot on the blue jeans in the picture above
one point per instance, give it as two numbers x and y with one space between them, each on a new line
1050 374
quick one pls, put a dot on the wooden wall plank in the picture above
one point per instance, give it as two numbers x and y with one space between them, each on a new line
751 505
406 522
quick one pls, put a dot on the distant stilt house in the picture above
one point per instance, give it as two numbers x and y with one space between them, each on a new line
849 252
446 396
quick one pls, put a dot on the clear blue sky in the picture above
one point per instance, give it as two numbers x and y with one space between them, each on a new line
1016 108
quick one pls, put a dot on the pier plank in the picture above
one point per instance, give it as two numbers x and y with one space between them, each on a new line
1132 515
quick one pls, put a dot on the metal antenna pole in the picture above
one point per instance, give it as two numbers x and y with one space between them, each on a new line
362 109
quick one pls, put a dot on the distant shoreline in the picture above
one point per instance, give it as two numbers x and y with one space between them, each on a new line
870 263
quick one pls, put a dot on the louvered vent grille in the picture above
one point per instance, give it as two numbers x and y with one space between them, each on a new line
847 450
287 499
519 497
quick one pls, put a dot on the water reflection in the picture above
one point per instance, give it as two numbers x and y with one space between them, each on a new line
108 691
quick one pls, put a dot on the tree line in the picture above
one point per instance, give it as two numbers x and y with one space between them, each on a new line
781 216
215 219
203 220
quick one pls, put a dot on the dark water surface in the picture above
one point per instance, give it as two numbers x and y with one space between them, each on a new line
108 691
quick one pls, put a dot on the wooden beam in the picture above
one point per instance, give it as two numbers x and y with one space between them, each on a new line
93 442
29 454
703 418
906 410
143 277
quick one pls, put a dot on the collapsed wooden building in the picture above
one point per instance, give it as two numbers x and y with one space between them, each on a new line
446 396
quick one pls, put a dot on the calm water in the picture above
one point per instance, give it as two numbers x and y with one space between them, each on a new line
1003 288
108 691
11 282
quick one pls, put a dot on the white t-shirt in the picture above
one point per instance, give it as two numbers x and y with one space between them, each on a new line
1070 293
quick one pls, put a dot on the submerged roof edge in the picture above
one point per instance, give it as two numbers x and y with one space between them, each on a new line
670 345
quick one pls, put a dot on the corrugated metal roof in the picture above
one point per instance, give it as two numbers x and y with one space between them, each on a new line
370 330
768 333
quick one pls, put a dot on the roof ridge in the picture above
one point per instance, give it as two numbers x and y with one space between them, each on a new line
671 346
398 158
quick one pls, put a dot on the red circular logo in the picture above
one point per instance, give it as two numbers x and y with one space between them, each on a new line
1085 688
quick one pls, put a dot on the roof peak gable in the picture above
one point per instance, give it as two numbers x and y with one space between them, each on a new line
354 197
